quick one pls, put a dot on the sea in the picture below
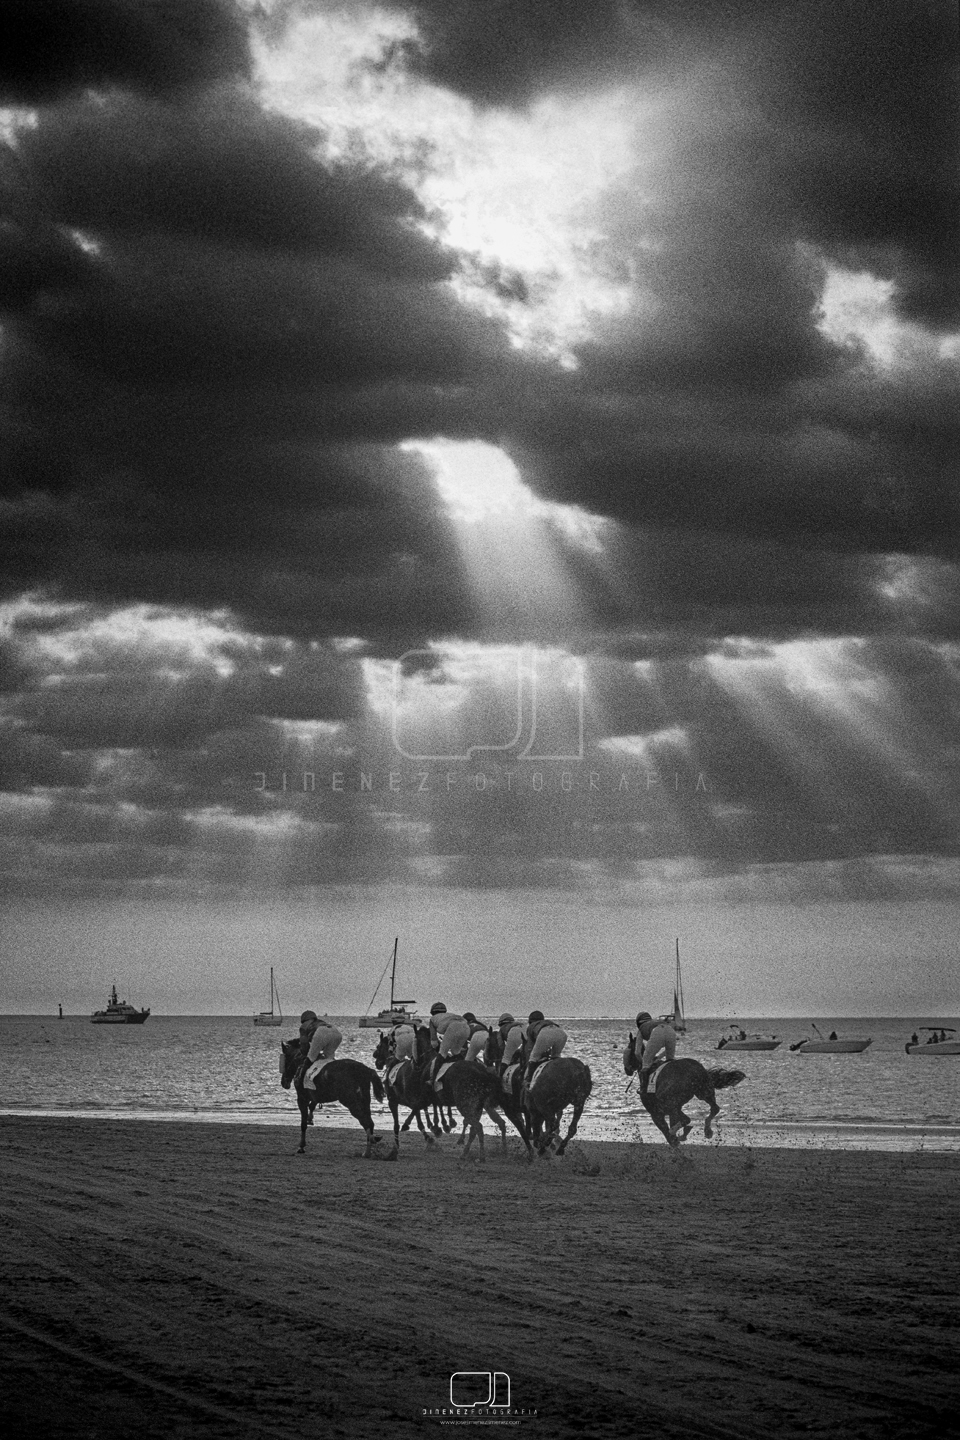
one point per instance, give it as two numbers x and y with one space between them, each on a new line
225 1069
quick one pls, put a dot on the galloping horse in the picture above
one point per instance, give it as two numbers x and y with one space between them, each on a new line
555 1085
474 1091
509 1099
348 1082
678 1081
408 1088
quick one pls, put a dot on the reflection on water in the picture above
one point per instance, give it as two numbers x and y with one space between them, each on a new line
224 1068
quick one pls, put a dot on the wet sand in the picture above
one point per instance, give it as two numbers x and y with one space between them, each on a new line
177 1280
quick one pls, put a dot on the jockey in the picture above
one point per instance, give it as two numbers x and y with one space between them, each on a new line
479 1035
308 1023
449 1033
546 1038
403 1041
512 1037
323 1042
657 1036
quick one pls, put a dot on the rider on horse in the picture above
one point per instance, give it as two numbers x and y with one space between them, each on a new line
479 1035
547 1040
512 1040
402 1041
319 1038
657 1036
449 1034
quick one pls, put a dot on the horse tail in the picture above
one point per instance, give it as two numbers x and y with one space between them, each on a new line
376 1084
723 1079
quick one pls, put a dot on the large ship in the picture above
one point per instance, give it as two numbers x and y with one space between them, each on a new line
118 1012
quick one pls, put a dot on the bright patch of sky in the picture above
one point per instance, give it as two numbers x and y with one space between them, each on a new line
858 310
517 193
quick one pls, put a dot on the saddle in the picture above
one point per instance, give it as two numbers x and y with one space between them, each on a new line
439 1072
537 1071
508 1076
648 1078
394 1069
312 1071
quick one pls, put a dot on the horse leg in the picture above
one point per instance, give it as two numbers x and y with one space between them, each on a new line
359 1106
498 1120
680 1120
577 1112
709 1094
395 1112
427 1134
304 1107
653 1110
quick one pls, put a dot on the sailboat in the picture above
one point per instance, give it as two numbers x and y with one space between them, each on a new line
676 1015
271 1017
396 1012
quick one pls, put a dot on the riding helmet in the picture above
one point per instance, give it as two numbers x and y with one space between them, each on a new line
469 1015
506 1019
438 1008
644 1015
534 1017
308 1015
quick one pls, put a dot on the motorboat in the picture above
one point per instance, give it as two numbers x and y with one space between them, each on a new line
932 1046
398 1011
118 1012
271 1016
833 1045
741 1041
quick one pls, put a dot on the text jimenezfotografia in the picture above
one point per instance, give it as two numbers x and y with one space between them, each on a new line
425 782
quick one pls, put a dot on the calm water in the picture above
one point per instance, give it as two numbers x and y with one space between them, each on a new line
223 1068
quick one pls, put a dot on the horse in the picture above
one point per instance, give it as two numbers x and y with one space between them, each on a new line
408 1088
348 1082
553 1086
509 1099
474 1091
677 1082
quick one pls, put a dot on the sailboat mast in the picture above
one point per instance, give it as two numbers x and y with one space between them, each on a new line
393 969
271 989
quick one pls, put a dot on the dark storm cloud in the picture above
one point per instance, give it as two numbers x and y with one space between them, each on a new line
218 168
54 47
214 341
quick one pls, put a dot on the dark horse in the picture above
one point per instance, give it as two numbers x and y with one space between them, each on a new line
555 1085
474 1091
677 1082
348 1082
408 1088
509 1097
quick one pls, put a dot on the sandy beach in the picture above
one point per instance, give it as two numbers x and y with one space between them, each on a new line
168 1280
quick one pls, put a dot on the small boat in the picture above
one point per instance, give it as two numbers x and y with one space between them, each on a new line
741 1041
675 1018
934 1047
833 1045
396 1012
271 1016
118 1012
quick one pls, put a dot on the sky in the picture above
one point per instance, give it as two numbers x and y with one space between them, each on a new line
482 472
